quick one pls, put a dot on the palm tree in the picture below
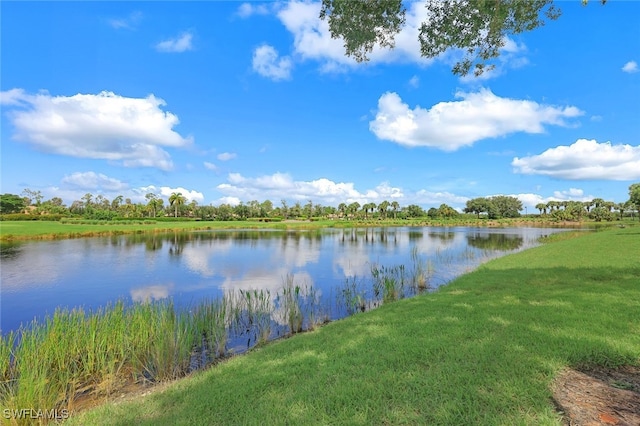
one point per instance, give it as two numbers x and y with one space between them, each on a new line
553 205
542 207
176 199
365 210
156 205
621 207
193 207
598 202
352 208
367 207
115 204
395 206
372 207
153 202
342 208
285 209
382 208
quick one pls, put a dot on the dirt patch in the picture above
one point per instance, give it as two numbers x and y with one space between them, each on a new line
599 396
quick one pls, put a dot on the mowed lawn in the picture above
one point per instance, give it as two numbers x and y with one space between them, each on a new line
482 350
37 229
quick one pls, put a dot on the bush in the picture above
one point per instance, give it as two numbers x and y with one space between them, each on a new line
100 215
264 219
23 216
173 219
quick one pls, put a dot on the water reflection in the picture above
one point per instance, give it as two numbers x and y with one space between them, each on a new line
9 250
150 293
502 242
187 267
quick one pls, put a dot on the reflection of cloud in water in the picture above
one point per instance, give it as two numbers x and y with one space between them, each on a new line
149 293
433 245
272 280
38 265
298 254
197 257
355 264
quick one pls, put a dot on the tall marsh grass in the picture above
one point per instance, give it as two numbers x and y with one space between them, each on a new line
392 280
298 306
251 315
75 355
212 321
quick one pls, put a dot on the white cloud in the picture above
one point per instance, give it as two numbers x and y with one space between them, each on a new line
531 200
103 126
414 82
232 201
226 156
388 192
435 199
585 159
281 185
13 97
630 67
129 23
267 63
210 166
312 39
73 187
93 180
178 44
572 194
325 191
247 9
511 57
451 125
190 195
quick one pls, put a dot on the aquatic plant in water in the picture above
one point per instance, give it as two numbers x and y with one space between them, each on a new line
74 353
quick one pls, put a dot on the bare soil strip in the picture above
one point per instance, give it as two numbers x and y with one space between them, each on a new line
599 396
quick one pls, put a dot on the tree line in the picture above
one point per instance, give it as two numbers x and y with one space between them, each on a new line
99 207
597 209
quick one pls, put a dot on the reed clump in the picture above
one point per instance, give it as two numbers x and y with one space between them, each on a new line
76 354
251 315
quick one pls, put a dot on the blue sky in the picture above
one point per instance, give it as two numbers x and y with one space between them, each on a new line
230 101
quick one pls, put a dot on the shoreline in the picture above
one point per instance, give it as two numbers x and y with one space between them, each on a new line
449 347
11 231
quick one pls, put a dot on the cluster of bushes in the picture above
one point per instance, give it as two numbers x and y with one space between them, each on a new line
83 221
270 219
24 216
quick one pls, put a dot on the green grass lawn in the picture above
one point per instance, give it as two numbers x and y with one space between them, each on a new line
49 229
481 350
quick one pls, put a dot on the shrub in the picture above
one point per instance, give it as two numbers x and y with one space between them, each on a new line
23 216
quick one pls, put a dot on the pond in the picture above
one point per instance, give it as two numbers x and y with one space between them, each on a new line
39 276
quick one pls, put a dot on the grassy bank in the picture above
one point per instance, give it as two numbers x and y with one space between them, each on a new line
30 230
482 350
74 358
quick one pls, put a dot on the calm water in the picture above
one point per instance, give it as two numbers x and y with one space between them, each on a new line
37 277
